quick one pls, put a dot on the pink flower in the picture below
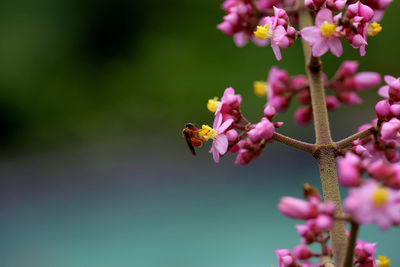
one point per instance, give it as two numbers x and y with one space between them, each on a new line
349 168
372 203
390 129
392 89
230 102
366 80
382 108
303 115
269 111
220 143
262 130
278 31
285 258
297 208
361 11
364 253
323 36
302 252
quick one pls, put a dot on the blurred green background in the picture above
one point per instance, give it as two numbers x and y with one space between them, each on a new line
94 171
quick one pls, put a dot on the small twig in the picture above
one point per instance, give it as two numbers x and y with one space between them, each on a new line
360 135
307 147
348 260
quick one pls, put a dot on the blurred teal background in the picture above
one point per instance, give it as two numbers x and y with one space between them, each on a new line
94 171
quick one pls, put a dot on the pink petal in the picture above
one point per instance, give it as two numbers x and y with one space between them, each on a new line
362 50
389 79
215 154
322 16
319 48
384 91
276 50
335 46
241 39
217 120
225 126
279 33
310 34
221 144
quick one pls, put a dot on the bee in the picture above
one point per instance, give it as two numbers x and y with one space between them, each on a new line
190 133
347 24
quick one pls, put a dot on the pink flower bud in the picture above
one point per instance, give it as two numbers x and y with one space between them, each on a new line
304 97
395 109
382 108
299 82
390 129
366 80
348 68
244 157
263 130
269 111
360 10
226 28
241 39
232 18
349 170
302 252
332 103
285 258
358 40
296 208
303 115
279 102
232 135
324 223
380 170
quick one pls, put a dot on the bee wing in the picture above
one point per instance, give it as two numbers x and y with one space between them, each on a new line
189 143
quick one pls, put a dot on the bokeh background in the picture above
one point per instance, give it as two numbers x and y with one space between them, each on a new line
93 168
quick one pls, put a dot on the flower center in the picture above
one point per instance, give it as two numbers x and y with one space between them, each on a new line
327 29
263 32
374 28
207 133
213 104
260 88
380 197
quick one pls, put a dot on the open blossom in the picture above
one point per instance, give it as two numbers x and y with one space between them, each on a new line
323 36
277 30
373 203
220 140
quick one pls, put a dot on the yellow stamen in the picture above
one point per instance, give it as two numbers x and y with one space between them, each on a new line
374 28
327 29
260 88
207 133
213 104
382 261
263 32
380 197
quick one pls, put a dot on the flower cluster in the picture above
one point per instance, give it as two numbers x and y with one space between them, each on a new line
247 20
376 199
243 16
281 88
319 220
232 132
354 26
277 29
